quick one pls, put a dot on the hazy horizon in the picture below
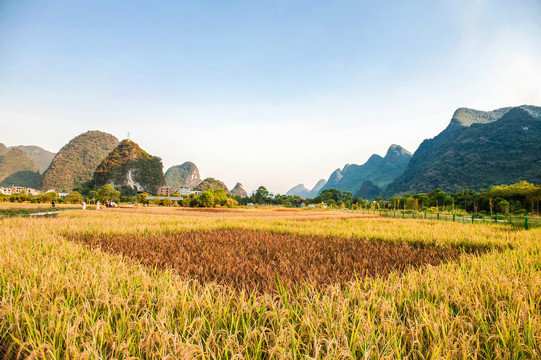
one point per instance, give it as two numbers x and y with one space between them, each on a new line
268 93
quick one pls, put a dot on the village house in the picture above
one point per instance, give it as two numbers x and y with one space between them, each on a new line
16 190
166 190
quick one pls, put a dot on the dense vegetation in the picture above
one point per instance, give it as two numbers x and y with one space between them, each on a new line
17 168
29 179
519 198
477 156
76 162
129 165
185 175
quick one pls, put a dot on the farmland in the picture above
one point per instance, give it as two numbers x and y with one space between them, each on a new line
157 283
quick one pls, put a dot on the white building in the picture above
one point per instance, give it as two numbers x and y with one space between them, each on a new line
5 191
187 191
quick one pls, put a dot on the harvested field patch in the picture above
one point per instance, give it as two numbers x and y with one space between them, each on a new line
253 260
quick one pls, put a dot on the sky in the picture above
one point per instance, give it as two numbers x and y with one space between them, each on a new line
272 93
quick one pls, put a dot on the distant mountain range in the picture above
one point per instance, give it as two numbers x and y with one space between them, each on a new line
93 159
378 171
303 192
476 150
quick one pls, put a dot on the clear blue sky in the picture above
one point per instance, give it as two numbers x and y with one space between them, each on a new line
262 92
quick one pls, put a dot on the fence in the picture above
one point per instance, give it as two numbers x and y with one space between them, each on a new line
524 222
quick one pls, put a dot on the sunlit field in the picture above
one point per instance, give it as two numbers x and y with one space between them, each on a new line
176 283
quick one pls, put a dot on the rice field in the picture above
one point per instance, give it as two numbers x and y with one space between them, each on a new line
174 283
263 261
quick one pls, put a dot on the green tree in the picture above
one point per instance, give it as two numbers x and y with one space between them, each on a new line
207 198
502 206
231 203
220 197
115 196
437 198
194 201
74 198
142 198
261 195
49 196
166 202
105 193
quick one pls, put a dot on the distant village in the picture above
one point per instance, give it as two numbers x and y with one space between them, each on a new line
163 191
168 191
16 190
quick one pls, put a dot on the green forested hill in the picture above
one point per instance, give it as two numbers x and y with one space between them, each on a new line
185 175
212 184
17 168
475 151
129 165
76 162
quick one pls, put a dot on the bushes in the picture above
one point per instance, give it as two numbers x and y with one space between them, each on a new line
74 198
207 199
166 202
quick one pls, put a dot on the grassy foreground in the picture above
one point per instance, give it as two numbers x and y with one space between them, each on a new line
61 299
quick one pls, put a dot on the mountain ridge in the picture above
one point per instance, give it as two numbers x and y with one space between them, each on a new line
476 152
303 192
76 162
379 170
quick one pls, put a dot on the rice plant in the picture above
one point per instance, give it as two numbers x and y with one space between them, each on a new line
62 299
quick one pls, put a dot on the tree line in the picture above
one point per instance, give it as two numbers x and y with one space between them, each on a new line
519 198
